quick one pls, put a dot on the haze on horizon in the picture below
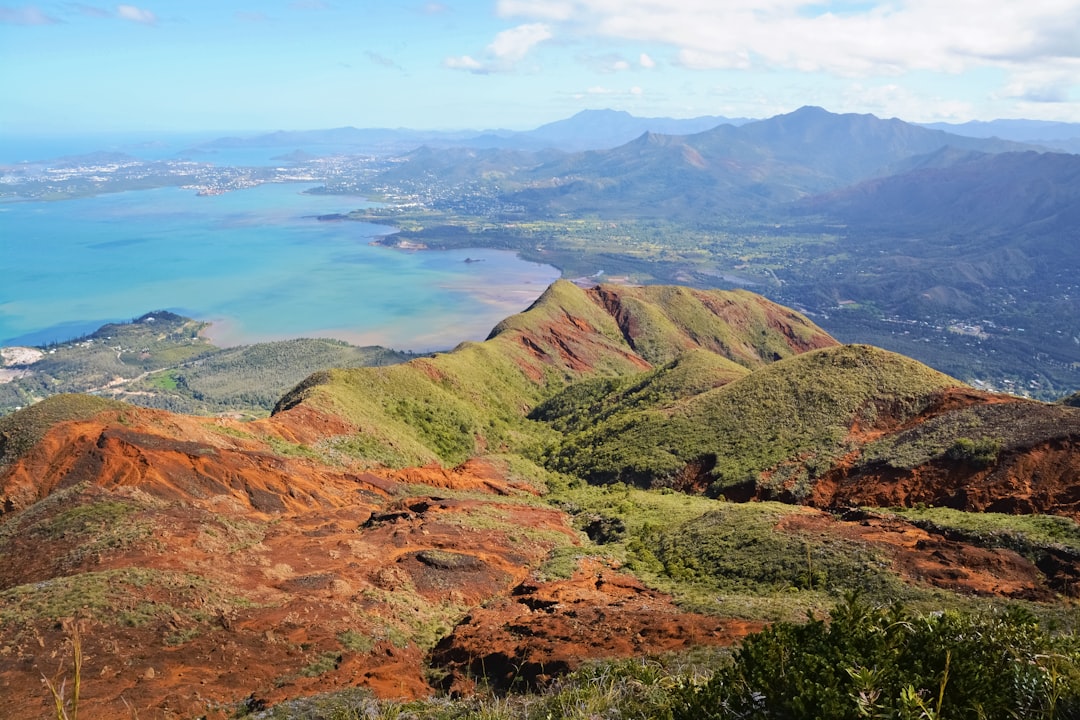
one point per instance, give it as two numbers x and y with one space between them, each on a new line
79 67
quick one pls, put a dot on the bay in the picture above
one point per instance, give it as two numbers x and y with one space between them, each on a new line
257 263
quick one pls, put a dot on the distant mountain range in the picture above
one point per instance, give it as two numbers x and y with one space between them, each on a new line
736 170
899 219
600 130
587 130
1026 194
865 170
1054 135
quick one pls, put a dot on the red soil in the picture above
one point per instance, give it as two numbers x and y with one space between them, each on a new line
545 629
239 573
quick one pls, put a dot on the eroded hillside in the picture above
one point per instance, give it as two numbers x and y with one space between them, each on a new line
506 509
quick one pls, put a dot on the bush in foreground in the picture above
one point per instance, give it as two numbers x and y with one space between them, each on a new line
888 663
863 662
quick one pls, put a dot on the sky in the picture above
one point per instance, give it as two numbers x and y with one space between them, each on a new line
195 65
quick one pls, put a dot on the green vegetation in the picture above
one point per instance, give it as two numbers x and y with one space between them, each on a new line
738 550
253 378
445 407
326 662
356 642
732 559
865 661
588 402
1048 541
95 526
798 408
160 360
112 595
979 452
19 434
889 663
975 435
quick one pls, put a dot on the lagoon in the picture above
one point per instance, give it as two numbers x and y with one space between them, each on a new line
256 263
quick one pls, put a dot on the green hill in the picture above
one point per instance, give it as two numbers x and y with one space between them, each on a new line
452 405
772 430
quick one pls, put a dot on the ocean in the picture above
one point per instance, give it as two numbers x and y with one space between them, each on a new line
255 262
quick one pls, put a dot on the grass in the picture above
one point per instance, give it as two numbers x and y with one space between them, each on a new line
323 664
356 642
740 326
615 690
998 529
975 435
588 402
290 449
795 412
452 405
105 596
61 704
20 431
83 523
725 558
735 550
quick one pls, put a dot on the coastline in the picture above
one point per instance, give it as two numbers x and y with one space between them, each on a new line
435 328
259 266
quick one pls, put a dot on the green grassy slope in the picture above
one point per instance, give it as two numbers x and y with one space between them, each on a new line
776 427
661 322
476 398
22 430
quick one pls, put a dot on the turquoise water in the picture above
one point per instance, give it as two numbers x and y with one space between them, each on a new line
254 262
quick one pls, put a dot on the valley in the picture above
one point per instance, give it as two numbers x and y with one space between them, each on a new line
849 218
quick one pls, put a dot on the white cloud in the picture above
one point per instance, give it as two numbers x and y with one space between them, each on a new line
135 14
883 38
28 15
605 63
893 100
646 62
514 44
1053 82
507 49
464 62
636 91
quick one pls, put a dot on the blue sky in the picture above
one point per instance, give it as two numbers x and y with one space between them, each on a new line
70 67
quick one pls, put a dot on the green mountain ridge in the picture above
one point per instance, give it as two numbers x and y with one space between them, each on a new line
478 395
776 427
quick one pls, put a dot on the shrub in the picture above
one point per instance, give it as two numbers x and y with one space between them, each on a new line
888 663
979 452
